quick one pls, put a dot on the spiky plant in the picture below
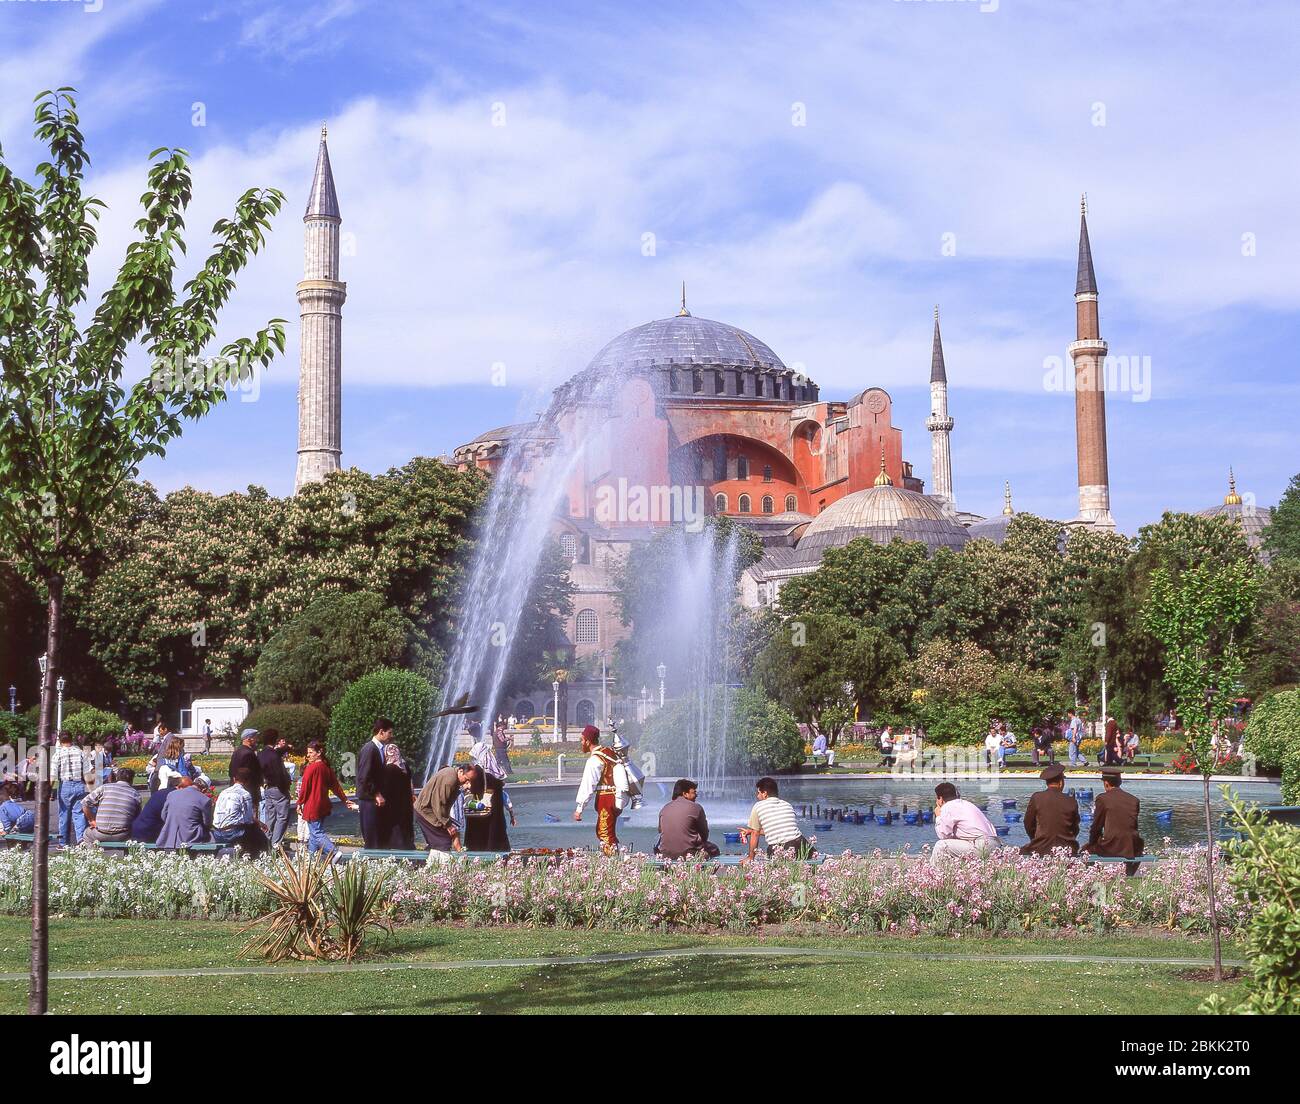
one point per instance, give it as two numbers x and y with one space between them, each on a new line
299 926
356 900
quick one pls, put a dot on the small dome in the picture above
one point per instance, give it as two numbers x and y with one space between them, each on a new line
882 513
1252 519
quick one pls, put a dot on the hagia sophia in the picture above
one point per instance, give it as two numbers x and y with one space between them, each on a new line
714 407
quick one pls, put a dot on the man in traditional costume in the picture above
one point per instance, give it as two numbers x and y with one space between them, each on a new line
600 780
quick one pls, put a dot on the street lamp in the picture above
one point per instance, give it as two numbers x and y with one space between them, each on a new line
13 699
58 723
661 671
1074 678
1104 673
555 712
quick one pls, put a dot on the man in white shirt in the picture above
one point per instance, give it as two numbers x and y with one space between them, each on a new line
234 820
600 780
1074 737
773 818
993 747
961 826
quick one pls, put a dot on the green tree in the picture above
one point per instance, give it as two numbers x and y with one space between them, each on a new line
826 669
71 432
1272 647
90 724
405 698
331 643
299 724
1198 616
1282 534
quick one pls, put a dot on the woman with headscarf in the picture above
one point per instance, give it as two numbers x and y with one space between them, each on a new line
397 821
486 831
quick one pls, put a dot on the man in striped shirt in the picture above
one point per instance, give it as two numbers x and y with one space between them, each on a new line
773 819
68 772
111 809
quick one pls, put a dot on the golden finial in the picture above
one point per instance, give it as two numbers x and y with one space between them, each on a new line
883 480
324 131
1083 203
683 313
1232 498
1006 499
936 312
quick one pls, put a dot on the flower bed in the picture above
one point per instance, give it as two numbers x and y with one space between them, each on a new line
852 893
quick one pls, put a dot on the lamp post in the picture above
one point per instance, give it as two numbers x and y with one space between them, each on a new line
13 699
645 703
1074 678
555 712
1103 674
58 722
661 671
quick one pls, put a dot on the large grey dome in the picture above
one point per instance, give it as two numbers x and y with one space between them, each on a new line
685 357
882 513
687 340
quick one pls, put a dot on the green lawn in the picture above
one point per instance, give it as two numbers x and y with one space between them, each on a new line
902 979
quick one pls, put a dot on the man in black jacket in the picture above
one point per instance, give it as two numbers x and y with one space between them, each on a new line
276 785
246 756
370 769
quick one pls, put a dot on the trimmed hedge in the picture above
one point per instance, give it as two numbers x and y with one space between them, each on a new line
1273 731
296 723
15 727
404 697
89 724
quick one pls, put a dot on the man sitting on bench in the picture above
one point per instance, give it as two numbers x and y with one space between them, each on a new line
111 809
13 817
683 827
234 822
1115 822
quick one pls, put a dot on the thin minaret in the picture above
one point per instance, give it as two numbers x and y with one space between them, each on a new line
320 307
1089 353
939 424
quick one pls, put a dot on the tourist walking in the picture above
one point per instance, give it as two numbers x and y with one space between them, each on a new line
1052 816
1115 820
207 737
773 818
244 757
683 825
1074 737
110 810
318 782
433 807
276 786
396 819
68 772
370 774
961 826
601 782
186 817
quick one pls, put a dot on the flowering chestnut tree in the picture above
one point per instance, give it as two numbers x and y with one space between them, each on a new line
72 431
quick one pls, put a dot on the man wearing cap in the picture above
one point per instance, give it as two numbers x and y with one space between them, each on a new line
1114 820
599 781
245 756
1052 818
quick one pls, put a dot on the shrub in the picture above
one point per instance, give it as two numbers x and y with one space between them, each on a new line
1265 873
771 735
404 697
1274 726
15 727
296 723
1291 776
761 734
70 706
331 643
90 724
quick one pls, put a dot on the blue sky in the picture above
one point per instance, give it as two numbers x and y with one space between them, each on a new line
472 244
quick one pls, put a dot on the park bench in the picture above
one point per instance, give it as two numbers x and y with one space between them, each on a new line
660 863
421 856
27 838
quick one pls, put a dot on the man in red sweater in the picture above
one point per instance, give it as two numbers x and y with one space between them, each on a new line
318 782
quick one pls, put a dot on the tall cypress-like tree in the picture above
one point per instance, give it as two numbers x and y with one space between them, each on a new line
72 432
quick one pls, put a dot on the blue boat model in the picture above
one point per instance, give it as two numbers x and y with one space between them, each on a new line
550 818
825 826
731 837
911 818
1001 829
883 819
1011 818
1164 816
927 816
1008 803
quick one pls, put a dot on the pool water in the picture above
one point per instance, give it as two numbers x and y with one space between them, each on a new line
545 811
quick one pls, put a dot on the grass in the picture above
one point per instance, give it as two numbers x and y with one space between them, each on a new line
903 981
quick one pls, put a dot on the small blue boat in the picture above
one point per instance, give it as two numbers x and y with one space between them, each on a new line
550 818
927 816
883 819
1011 818
1164 816
1008 803
825 826
1001 829
731 837
911 818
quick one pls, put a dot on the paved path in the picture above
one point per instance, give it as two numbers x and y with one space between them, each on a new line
626 956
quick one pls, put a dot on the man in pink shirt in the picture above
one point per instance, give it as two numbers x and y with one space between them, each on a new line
960 825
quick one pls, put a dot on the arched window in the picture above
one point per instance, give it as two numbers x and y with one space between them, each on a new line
744 504
697 382
586 712
719 504
587 628
524 709
767 504
791 504
767 473
569 546
742 467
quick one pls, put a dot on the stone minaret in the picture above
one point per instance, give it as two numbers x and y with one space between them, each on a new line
939 424
1089 354
320 304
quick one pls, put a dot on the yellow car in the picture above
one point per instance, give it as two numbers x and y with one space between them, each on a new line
537 722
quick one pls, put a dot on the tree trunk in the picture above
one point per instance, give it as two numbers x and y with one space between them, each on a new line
38 990
1209 876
